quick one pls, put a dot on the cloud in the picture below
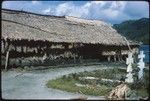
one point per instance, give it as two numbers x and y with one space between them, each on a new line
109 11
46 11
91 10
67 8
35 2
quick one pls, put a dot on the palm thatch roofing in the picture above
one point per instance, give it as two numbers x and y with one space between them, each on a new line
31 26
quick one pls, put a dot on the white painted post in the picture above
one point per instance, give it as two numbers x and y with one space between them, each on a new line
129 62
44 57
141 64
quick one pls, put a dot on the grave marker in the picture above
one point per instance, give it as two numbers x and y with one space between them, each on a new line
141 64
129 62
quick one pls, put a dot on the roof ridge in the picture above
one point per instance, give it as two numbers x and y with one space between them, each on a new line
46 15
27 12
21 26
84 18
86 21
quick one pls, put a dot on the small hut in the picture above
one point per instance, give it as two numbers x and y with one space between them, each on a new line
35 39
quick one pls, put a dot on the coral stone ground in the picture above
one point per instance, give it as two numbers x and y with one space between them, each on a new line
32 84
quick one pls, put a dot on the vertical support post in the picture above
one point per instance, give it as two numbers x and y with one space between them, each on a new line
80 59
74 58
7 59
115 58
15 47
21 48
121 56
2 46
7 53
6 45
26 49
108 58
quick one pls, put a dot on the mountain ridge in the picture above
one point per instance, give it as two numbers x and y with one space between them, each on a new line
137 30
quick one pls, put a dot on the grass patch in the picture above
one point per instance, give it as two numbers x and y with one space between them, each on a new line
69 85
142 92
97 87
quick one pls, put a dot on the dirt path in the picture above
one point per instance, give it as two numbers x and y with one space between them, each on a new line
31 84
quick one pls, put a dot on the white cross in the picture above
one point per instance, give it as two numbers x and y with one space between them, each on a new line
129 78
129 68
129 60
141 56
141 64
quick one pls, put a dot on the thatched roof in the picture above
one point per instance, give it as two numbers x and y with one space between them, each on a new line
25 25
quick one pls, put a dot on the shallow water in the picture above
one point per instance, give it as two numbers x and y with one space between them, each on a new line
31 85
146 50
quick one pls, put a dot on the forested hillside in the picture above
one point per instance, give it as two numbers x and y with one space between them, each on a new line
135 29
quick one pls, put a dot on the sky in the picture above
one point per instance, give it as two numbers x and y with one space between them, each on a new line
112 12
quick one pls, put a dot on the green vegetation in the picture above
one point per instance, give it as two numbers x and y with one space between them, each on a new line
142 86
98 87
69 85
134 29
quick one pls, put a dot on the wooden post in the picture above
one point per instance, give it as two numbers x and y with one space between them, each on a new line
108 58
115 58
80 59
21 48
2 46
7 58
15 47
6 45
119 55
7 54
26 49
74 58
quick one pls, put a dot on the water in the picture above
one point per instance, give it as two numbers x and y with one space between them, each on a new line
146 50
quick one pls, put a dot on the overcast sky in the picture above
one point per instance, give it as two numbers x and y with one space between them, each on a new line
110 11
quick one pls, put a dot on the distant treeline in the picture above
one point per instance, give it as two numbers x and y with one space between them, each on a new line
134 29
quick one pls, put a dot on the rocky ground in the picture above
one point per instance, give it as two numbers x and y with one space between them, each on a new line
31 84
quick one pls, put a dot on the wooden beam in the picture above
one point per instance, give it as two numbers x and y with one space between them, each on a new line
115 58
15 47
7 60
21 48
108 58
26 49
7 53
74 58
6 45
80 58
2 46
